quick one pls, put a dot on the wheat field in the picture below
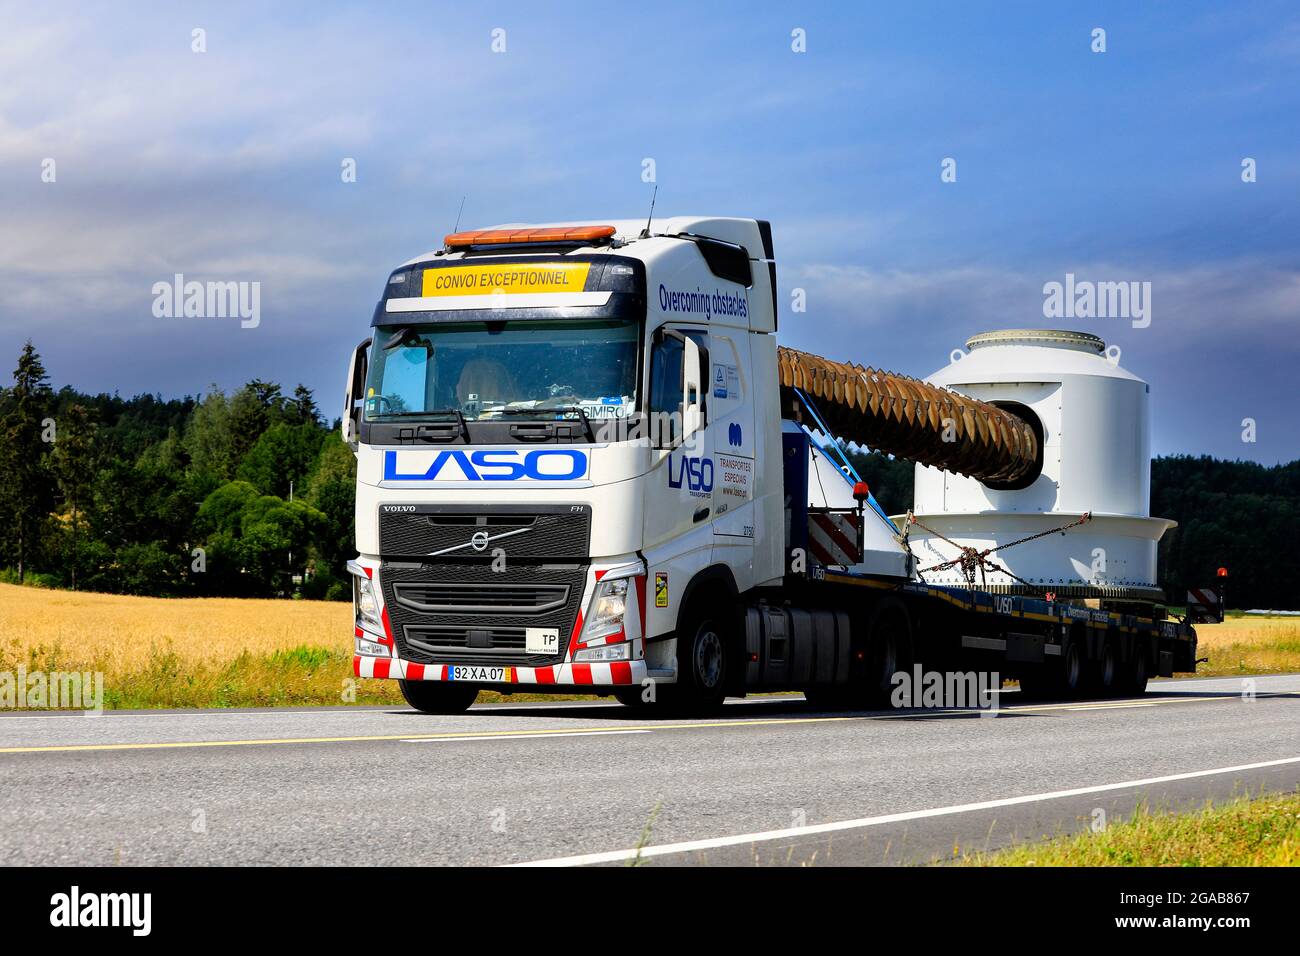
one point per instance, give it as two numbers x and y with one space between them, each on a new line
1249 645
122 632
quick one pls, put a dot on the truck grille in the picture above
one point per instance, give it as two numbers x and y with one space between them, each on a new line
521 531
461 611
481 598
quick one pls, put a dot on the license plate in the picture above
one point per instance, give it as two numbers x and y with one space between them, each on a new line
480 675
541 640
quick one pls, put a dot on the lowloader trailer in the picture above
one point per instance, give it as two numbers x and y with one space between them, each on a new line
584 465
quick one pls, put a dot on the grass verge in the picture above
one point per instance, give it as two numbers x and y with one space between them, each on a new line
1244 645
1261 832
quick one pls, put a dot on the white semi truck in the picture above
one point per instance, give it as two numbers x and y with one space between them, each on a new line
584 465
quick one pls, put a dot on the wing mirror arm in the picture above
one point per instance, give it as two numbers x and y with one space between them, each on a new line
354 396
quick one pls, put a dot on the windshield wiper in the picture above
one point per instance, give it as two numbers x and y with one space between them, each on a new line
555 410
460 418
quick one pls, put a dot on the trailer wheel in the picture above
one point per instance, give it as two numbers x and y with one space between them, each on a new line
1071 681
438 697
1133 679
1060 679
888 651
1105 677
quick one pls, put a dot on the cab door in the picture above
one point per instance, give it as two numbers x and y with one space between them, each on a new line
680 495
679 487
731 427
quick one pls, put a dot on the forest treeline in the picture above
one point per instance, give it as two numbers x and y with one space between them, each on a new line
250 494
244 494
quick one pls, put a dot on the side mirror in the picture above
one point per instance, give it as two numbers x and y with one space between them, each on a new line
355 394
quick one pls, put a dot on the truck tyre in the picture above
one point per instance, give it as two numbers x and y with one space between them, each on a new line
1105 677
1070 678
1133 677
1059 679
630 696
702 659
888 651
438 697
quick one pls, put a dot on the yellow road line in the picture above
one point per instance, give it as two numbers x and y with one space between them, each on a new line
570 731
467 735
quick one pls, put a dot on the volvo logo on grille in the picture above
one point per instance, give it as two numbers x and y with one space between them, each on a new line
479 541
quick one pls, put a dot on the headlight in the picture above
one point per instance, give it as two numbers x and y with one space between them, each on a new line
608 604
610 652
363 598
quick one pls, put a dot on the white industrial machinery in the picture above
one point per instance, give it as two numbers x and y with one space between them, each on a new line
1092 423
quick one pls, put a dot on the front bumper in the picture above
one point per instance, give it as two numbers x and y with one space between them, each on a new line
563 672
614 674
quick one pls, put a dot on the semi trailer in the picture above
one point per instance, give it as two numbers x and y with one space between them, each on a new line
584 465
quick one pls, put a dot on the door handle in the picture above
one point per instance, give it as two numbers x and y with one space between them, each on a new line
700 515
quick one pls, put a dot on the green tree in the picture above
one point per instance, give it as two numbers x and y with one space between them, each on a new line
23 458
281 459
73 462
332 491
207 436
256 542
304 403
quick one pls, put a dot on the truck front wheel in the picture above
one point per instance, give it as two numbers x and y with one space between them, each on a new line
438 697
701 662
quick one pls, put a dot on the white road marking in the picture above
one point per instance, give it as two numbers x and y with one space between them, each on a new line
575 733
666 849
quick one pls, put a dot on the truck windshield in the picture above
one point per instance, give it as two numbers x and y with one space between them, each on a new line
499 370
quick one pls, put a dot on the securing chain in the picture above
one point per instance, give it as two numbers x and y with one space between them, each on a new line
973 561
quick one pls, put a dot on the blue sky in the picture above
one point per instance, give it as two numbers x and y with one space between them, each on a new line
1115 166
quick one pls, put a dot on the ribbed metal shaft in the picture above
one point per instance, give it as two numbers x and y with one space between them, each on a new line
911 419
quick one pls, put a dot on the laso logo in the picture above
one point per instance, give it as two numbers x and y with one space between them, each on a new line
696 473
541 464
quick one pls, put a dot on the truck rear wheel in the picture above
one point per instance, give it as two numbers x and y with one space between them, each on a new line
438 697
888 651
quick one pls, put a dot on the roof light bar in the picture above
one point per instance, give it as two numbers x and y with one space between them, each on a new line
498 237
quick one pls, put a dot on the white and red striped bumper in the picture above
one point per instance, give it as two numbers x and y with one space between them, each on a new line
612 674
617 673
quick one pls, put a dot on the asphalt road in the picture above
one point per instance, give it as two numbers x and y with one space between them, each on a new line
769 781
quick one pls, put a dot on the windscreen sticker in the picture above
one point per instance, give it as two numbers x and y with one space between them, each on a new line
506 279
